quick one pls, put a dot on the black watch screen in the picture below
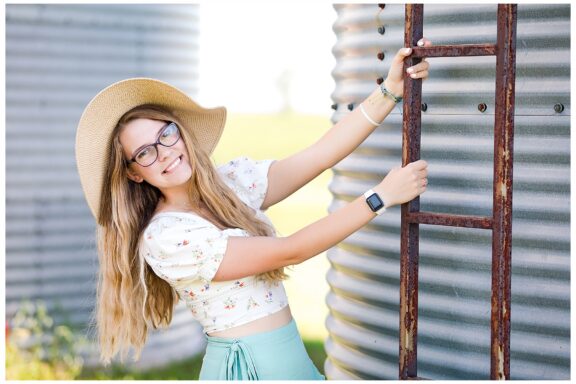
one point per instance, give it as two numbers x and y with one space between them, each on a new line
374 202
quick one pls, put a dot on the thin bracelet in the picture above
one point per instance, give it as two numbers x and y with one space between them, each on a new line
368 117
386 92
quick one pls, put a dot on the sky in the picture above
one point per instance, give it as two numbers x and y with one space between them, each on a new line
262 58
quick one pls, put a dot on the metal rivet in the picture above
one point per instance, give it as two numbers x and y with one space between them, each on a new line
350 106
424 107
382 6
558 108
381 29
334 106
379 80
482 107
380 56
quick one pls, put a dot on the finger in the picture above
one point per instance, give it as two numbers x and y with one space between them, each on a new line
424 42
427 64
423 184
401 55
419 165
421 66
419 75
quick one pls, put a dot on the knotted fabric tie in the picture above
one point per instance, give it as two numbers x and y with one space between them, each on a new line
239 363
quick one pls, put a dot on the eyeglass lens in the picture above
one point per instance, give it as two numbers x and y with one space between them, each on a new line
168 137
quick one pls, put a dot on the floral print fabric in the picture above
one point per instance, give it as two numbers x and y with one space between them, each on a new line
186 250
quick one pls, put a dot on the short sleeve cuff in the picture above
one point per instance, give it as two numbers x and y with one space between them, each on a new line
261 169
248 179
210 266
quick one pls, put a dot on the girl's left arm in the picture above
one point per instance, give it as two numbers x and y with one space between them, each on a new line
288 175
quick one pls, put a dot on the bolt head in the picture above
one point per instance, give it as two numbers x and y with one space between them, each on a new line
482 107
380 56
350 106
381 29
559 108
424 107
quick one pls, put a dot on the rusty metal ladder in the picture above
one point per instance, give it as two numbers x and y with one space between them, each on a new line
501 221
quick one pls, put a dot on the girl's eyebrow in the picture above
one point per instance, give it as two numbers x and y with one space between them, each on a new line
145 145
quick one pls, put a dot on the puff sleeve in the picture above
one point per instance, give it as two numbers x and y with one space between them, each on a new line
247 178
182 250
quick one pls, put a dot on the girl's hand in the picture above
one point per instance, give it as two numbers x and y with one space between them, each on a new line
395 80
403 184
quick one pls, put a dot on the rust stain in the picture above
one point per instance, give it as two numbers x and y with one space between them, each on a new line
501 375
408 340
423 217
455 50
503 190
506 153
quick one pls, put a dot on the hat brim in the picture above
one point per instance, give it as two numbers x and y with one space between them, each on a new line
102 114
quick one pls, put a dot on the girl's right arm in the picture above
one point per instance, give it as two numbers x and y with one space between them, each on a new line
247 256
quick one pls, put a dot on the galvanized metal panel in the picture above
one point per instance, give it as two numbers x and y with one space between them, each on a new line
57 58
457 141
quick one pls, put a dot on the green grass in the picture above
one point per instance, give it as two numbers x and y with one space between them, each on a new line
188 369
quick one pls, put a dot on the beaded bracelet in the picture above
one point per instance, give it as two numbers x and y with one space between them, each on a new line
386 92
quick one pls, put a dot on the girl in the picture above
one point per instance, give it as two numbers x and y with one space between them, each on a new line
172 226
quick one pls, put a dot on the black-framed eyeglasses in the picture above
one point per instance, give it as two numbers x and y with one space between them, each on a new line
149 154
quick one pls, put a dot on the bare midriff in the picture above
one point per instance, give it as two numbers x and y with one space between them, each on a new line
264 324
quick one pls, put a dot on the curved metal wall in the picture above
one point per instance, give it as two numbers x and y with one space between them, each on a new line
57 58
457 141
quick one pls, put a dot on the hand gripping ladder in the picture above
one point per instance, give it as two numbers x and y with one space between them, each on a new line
501 221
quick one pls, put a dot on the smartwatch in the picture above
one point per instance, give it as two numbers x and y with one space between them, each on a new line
374 202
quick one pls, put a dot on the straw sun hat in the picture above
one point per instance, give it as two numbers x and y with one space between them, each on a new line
107 107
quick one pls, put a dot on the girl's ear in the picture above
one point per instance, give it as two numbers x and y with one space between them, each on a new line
134 176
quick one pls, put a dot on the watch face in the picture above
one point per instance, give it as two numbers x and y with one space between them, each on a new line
374 202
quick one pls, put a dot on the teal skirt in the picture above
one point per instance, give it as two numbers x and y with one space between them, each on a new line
272 355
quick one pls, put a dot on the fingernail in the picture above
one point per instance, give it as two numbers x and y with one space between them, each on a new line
420 43
413 75
407 50
410 70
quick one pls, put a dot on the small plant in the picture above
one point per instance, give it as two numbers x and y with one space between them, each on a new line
37 349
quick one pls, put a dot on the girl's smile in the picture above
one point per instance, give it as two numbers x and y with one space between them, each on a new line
173 165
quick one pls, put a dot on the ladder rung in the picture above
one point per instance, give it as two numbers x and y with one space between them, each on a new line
455 50
481 222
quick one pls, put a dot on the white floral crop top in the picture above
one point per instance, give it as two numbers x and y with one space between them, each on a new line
186 250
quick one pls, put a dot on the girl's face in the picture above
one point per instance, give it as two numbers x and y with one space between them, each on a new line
142 139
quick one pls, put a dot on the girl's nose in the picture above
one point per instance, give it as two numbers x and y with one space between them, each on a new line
163 152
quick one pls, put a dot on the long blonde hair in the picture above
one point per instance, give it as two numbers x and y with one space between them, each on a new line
130 296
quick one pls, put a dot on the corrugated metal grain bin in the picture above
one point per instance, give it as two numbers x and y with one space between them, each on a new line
457 141
57 58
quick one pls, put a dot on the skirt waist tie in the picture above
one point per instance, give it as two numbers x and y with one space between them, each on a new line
239 363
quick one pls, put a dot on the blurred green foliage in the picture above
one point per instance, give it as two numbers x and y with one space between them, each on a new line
37 349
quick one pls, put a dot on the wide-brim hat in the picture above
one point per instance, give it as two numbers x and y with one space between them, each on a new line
101 115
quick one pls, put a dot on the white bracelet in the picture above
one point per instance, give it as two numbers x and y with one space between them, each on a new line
368 117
